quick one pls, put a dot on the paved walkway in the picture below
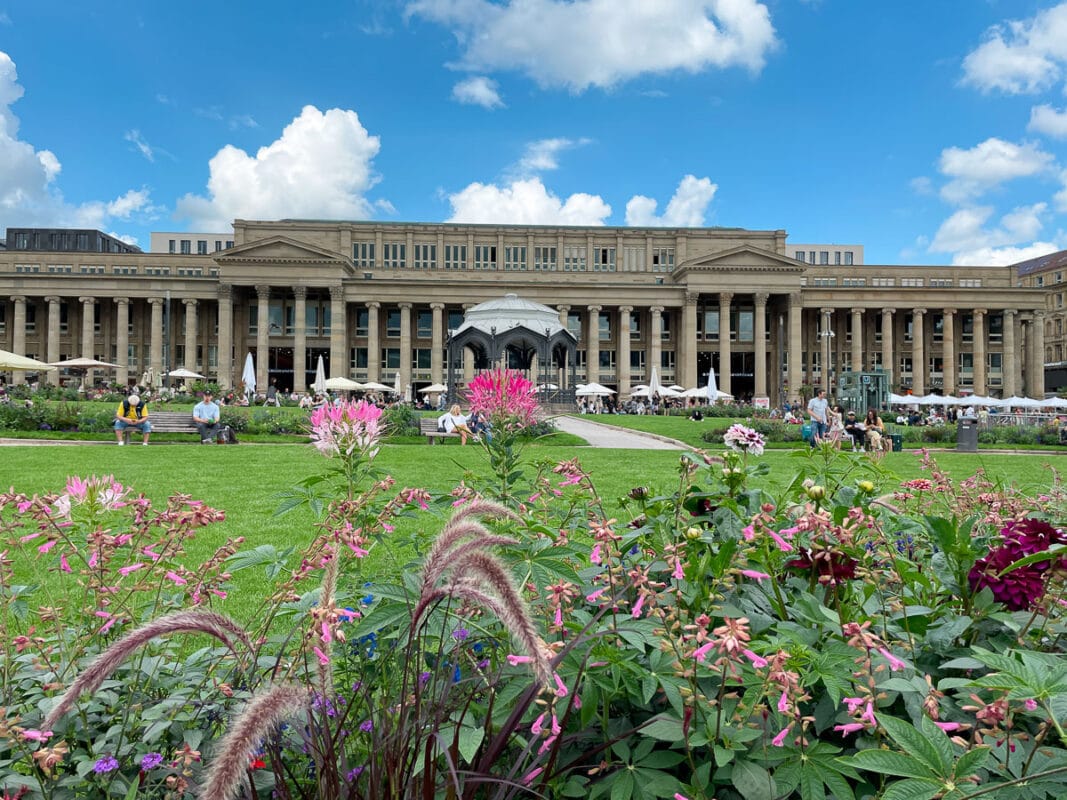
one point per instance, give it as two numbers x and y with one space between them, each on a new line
601 435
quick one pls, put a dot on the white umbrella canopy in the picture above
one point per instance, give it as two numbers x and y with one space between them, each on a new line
653 383
343 384
320 377
434 388
83 363
188 374
9 360
900 399
396 386
1022 402
1056 402
248 376
593 390
712 389
374 386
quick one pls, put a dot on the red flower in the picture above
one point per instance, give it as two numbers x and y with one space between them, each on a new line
832 566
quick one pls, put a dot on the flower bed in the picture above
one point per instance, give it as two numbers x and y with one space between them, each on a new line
716 641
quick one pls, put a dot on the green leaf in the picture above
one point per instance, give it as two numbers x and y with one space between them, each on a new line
623 785
970 762
912 741
887 762
666 729
753 782
470 739
132 793
912 789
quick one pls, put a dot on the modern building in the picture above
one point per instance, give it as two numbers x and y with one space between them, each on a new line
824 255
186 243
378 300
65 240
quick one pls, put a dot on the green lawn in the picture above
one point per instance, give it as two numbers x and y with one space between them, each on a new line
245 480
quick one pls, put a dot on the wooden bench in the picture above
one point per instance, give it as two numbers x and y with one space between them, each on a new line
428 428
169 422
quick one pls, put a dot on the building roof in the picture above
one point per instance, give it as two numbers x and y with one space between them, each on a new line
511 311
1057 260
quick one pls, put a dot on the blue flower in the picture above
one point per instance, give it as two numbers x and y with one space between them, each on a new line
150 761
105 765
457 674
460 634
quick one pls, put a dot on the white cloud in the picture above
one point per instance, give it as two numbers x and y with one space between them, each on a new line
601 43
139 142
922 185
525 202
685 210
28 191
1047 120
1003 256
1021 56
132 240
242 121
320 167
1060 198
968 237
478 90
543 155
988 164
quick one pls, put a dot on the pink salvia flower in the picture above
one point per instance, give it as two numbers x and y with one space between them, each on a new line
44 548
178 579
529 777
515 660
92 559
680 796
24 506
594 556
868 714
851 727
853 703
948 727
558 619
323 658
561 687
33 735
538 724
757 661
327 637
556 729
701 652
783 702
755 575
779 740
638 606
678 574
895 664
1030 704
783 545
63 564
749 532
131 568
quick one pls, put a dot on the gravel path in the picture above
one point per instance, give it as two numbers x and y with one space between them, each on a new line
600 435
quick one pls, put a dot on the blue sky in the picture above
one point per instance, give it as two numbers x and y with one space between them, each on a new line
929 132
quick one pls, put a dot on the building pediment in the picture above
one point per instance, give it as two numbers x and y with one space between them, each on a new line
281 251
744 259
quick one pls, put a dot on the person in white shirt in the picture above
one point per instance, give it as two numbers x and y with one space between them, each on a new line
819 411
455 422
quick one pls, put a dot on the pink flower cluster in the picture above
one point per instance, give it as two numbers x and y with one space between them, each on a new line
99 494
743 440
350 428
506 397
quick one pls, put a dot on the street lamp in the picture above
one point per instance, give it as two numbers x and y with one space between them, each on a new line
827 336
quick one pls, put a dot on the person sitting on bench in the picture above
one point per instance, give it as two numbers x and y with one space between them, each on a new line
206 417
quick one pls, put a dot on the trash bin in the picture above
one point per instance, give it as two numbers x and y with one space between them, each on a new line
806 432
967 435
898 441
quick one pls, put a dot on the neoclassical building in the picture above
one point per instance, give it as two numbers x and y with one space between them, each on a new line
378 300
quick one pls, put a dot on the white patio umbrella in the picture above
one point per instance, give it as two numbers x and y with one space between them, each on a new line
396 386
1022 402
653 383
248 376
712 390
343 384
320 378
434 388
9 360
900 399
187 374
374 386
83 363
593 390
1056 402
407 393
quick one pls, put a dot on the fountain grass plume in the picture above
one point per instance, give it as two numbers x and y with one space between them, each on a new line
226 775
460 527
195 621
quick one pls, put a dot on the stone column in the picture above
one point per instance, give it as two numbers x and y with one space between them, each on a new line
338 331
655 341
1037 360
225 368
437 342
563 312
88 310
887 344
374 345
18 339
405 346
978 343
918 352
857 340
53 336
592 345
191 318
948 350
725 369
795 337
686 354
1008 361
155 361
622 354
300 340
122 340
262 337
826 317
759 333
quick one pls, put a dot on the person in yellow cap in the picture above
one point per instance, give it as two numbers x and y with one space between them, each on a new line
132 413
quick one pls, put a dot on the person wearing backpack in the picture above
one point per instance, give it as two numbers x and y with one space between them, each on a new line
132 413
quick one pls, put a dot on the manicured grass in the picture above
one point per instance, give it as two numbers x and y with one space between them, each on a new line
245 481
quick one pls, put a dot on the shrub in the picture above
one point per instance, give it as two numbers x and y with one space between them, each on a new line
401 420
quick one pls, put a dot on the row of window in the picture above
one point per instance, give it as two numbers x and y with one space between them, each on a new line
185 246
935 363
840 257
96 269
575 258
910 283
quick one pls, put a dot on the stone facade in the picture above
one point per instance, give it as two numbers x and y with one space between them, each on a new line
377 300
